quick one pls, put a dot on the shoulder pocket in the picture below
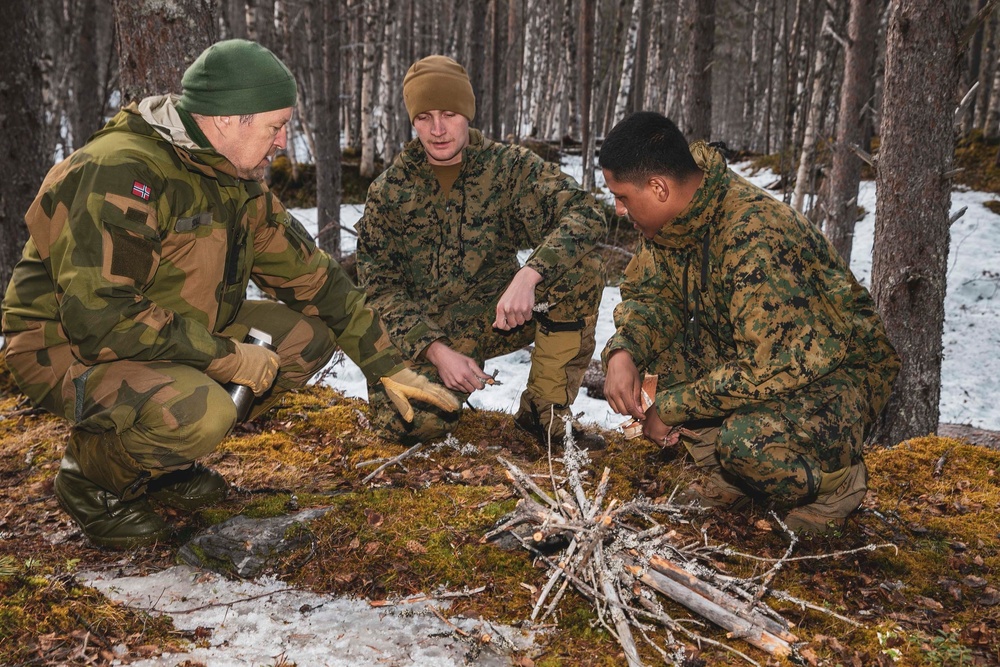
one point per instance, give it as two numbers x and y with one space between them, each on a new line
131 245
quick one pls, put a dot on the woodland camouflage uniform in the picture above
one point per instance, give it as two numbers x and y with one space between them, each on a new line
435 264
764 342
132 286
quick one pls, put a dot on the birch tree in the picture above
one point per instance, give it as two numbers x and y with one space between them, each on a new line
913 188
822 66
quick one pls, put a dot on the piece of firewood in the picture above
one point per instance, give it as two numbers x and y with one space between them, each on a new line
721 598
735 625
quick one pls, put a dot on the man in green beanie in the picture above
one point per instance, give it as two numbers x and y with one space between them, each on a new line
438 255
128 313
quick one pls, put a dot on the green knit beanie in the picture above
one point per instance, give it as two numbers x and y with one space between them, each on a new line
236 77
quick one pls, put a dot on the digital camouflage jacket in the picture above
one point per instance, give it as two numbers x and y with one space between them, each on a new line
740 300
420 252
142 246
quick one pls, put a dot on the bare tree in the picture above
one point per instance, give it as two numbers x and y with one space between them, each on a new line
325 107
822 69
922 67
373 29
586 86
855 91
157 41
698 84
22 128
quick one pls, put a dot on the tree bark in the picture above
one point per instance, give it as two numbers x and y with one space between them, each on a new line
157 41
698 83
587 150
922 67
369 83
845 175
325 85
25 157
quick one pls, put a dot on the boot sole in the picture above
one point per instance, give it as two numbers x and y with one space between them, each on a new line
189 503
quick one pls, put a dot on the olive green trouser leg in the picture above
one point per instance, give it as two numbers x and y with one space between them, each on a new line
558 363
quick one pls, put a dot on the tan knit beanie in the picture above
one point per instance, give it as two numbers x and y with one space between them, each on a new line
438 82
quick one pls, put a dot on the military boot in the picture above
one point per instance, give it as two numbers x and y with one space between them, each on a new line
558 361
189 489
714 489
104 517
550 426
840 493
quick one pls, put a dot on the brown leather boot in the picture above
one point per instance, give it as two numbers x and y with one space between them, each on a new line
840 493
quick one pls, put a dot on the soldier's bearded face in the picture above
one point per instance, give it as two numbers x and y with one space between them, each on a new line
640 203
250 143
443 134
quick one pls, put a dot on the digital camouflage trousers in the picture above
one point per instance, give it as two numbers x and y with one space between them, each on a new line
564 345
787 447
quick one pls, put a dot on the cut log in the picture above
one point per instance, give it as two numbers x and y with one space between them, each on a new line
736 626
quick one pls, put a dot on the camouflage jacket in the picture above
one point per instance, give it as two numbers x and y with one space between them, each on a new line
142 245
740 299
420 251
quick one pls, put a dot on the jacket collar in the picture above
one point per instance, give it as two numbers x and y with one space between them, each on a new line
157 117
693 222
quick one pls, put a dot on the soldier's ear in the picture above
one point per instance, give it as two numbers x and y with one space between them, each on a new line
660 187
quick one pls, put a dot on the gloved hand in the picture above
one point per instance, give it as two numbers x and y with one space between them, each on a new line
256 367
406 385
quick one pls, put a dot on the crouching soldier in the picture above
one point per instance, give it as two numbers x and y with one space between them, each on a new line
127 311
772 362
438 255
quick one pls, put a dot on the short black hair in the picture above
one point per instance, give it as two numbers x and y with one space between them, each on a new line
646 144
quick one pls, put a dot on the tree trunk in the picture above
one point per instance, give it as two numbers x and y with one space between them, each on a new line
698 83
586 49
22 129
628 63
369 83
845 175
157 41
822 66
922 67
325 85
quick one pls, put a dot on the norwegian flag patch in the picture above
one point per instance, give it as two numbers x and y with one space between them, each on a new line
141 190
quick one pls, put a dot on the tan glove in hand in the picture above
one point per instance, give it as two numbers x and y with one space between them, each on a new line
406 384
256 367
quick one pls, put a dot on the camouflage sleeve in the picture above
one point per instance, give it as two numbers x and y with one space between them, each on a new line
787 332
563 221
290 267
645 321
100 225
381 273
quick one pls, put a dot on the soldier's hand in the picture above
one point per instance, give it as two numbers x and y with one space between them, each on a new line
406 385
457 371
518 300
654 429
622 385
256 367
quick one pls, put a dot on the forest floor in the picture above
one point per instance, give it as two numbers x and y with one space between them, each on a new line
927 593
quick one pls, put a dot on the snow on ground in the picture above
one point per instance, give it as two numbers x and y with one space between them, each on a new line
261 622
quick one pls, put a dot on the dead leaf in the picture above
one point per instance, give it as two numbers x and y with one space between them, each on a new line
928 603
